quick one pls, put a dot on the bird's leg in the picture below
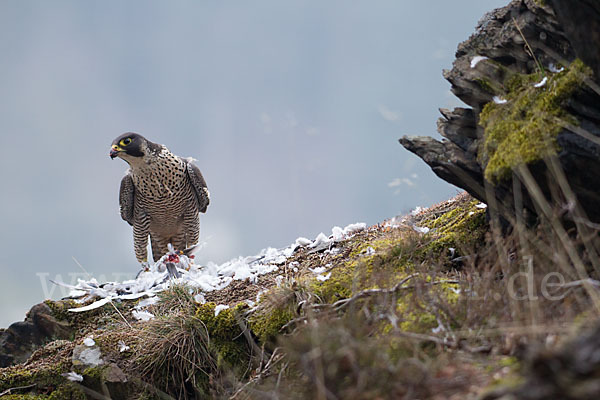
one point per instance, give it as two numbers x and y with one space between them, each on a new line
140 239
191 223
159 246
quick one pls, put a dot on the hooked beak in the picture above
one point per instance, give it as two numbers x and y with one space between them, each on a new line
114 151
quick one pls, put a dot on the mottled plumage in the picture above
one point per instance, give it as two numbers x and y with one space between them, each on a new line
161 195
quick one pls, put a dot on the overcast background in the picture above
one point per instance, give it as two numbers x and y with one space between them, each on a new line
292 108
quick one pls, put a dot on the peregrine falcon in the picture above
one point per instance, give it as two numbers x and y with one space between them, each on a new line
161 196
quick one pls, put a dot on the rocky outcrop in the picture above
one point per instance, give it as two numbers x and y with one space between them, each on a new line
21 339
531 102
580 20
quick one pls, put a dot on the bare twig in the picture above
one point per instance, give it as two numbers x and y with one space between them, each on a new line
584 133
248 336
516 329
540 66
263 372
560 231
10 390
576 211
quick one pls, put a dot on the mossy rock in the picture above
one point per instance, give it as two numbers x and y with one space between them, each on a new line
225 332
525 128
461 228
46 375
266 324
392 258
67 391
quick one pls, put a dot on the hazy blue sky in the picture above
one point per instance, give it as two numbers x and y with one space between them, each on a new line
292 108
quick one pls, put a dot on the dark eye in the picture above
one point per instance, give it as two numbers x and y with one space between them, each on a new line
125 141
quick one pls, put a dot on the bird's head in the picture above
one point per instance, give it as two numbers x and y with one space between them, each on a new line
128 146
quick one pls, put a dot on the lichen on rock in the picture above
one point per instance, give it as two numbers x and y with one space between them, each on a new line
525 129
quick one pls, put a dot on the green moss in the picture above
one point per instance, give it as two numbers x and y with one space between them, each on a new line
339 285
488 86
82 321
46 375
416 313
194 346
224 332
508 381
95 373
67 391
524 129
60 308
415 319
463 227
512 362
266 324
391 262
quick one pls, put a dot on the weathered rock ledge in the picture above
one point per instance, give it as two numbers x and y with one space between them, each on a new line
21 339
525 108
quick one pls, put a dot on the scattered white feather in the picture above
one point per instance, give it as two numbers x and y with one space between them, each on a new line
321 239
370 251
317 270
89 342
122 346
142 315
475 60
77 293
260 294
395 222
440 328
147 302
92 306
155 278
455 290
332 251
302 241
421 229
278 280
220 308
552 68
354 228
499 100
134 296
418 210
542 82
471 213
337 233
323 278
199 298
73 376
